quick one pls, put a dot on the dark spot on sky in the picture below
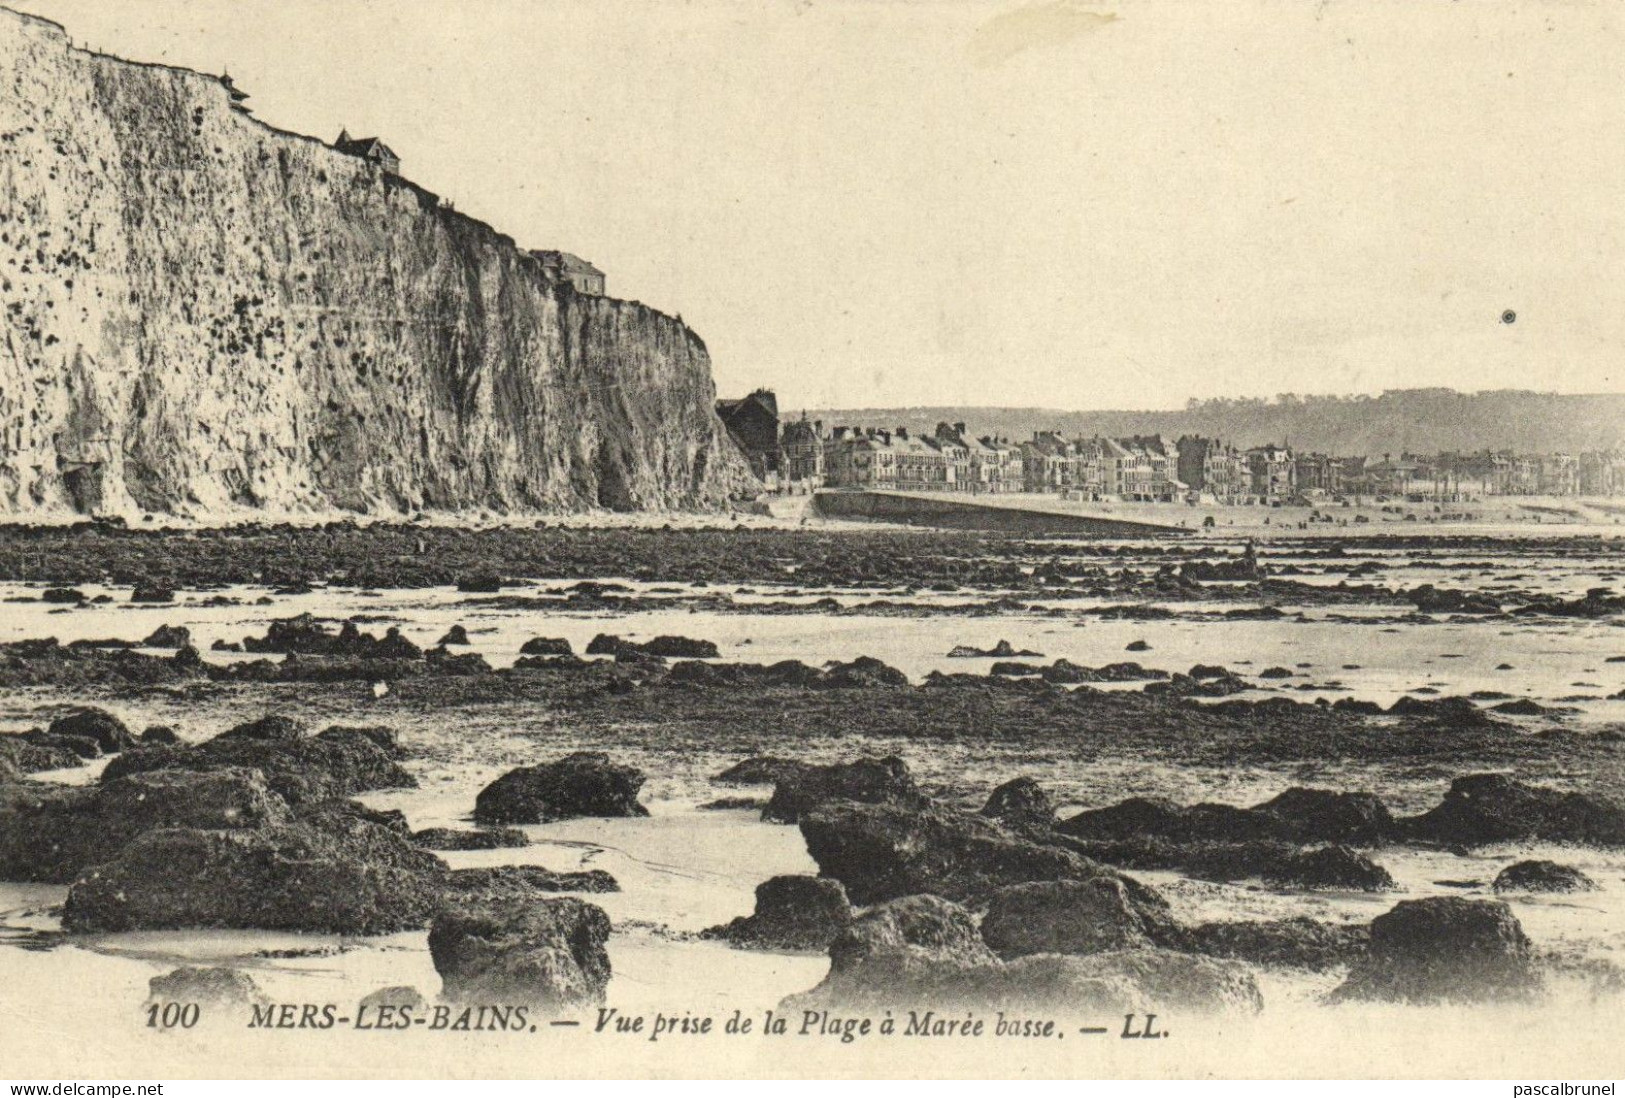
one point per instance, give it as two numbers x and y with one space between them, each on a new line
1508 317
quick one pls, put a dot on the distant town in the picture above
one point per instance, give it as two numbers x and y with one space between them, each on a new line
802 455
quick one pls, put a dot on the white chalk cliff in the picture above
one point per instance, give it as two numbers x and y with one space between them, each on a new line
206 316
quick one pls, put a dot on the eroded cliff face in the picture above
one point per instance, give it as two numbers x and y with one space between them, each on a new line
205 316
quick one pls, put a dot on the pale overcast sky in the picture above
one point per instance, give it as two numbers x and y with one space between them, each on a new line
1050 203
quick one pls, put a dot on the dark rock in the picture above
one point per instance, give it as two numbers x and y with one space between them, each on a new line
151 593
304 635
762 770
868 781
1444 948
546 646
1431 600
1091 916
585 783
108 731
518 881
455 635
169 636
1021 803
1521 707
664 647
80 747
1137 646
453 838
1450 712
792 913
205 986
378 736
1542 876
681 648
1331 867
1010 669
924 952
302 771
67 596
882 851
51 833
1127 819
1298 942
480 585
1155 816
863 672
1002 650
725 804
334 873
1323 815
1275 673
159 735
272 728
547 953
30 754
1492 808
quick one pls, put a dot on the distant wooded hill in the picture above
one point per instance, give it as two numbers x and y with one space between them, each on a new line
1400 420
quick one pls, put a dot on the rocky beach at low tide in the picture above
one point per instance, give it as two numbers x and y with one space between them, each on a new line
1245 786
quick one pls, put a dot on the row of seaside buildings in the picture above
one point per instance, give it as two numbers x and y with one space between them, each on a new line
801 456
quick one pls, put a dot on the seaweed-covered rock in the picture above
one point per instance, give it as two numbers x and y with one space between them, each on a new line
883 851
52 833
384 739
1492 808
458 838
761 770
663 647
334 873
546 646
792 912
585 783
302 771
1537 875
214 986
272 728
924 952
1003 650
306 636
1298 942
1091 916
1327 816
547 953
1139 817
868 781
169 636
108 731
1443 948
518 881
159 735
1331 867
457 634
30 754
1021 803
861 673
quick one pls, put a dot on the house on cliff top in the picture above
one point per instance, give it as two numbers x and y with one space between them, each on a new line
369 148
564 267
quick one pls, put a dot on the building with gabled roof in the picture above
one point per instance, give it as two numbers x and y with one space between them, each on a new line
564 267
370 149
